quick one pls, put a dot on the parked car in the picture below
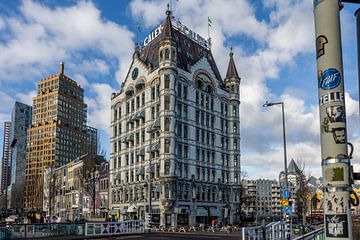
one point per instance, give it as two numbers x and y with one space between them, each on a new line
12 219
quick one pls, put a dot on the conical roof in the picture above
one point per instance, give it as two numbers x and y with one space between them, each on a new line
231 71
167 27
293 168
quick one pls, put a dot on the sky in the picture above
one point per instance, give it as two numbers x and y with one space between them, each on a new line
274 50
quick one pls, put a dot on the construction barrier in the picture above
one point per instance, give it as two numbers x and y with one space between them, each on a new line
93 229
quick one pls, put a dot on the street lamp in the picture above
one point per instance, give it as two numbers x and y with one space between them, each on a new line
288 223
267 104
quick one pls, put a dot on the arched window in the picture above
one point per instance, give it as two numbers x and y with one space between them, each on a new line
161 55
167 54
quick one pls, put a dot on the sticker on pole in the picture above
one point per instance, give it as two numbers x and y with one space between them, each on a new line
330 79
336 226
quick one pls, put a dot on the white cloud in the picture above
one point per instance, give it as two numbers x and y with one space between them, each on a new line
287 34
99 106
26 97
43 36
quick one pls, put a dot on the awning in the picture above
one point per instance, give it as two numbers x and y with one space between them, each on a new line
118 176
154 126
139 84
215 212
140 152
141 114
129 91
132 209
201 212
131 137
155 147
157 188
140 171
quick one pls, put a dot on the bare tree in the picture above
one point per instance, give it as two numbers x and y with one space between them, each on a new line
303 193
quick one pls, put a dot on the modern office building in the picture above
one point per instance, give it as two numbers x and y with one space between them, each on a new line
58 133
6 159
175 133
20 122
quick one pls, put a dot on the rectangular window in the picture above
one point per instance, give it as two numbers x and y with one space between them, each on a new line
179 129
167 102
166 81
197 154
236 161
167 124
197 116
197 97
115 114
153 93
153 113
143 99
167 168
197 135
143 136
185 132
185 92
179 109
167 145
179 90
185 151
185 111
234 110
179 151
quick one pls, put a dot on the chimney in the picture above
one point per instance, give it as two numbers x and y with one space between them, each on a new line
62 65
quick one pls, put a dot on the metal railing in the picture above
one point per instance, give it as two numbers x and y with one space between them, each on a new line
47 230
271 231
41 230
317 234
114 228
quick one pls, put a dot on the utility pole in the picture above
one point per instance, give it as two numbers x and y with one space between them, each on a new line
334 152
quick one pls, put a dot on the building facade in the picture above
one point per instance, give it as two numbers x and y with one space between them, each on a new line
261 200
20 122
175 140
6 159
58 133
70 192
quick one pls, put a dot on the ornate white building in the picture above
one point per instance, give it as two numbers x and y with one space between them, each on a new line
176 122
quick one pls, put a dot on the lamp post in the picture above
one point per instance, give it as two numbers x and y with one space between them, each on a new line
286 215
267 104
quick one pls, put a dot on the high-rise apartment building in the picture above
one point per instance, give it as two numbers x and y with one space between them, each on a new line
261 200
20 122
58 133
175 136
6 158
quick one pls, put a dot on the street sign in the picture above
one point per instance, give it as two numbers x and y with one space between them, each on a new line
288 210
286 193
284 202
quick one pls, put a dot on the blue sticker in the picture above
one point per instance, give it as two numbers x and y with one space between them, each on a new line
330 79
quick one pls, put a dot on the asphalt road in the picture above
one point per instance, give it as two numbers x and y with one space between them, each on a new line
179 236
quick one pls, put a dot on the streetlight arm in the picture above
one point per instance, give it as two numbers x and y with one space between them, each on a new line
269 104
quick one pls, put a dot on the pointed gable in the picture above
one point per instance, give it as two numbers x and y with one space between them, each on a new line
188 51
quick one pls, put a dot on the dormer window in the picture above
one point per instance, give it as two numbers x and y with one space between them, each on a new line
161 55
167 54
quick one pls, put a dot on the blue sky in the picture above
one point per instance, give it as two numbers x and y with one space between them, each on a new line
273 42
